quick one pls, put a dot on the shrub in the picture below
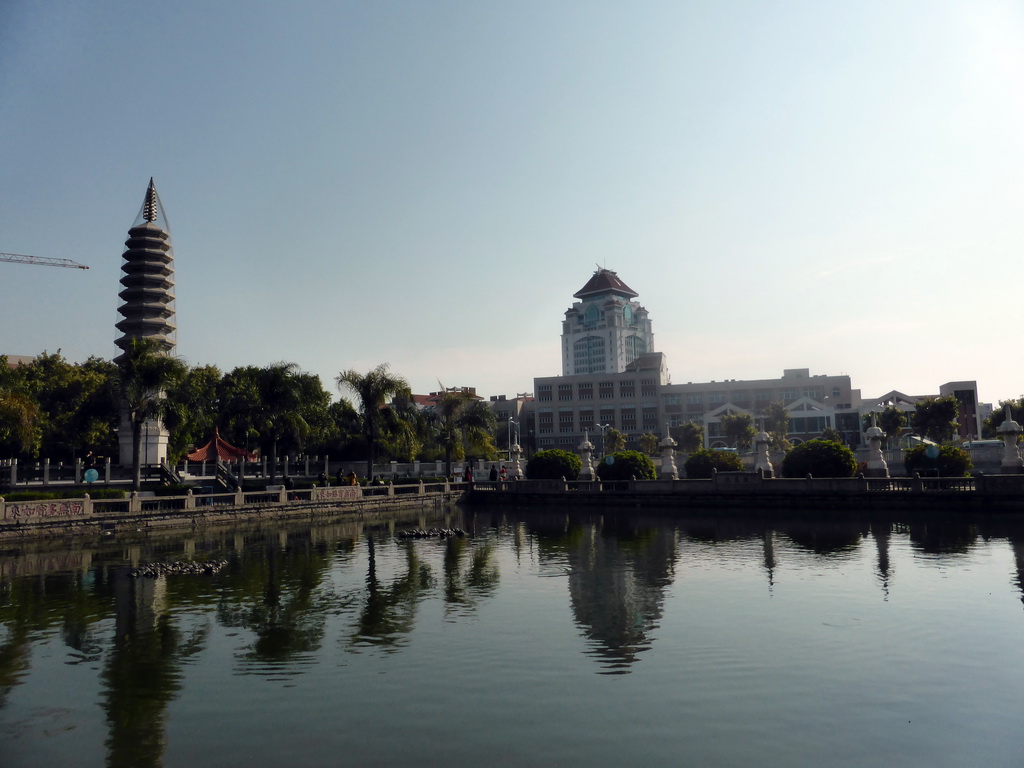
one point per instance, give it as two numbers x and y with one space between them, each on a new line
820 458
554 465
701 463
625 465
945 460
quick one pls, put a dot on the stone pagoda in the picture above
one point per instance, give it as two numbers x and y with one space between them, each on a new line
147 307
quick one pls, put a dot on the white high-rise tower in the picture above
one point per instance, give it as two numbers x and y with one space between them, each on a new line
606 329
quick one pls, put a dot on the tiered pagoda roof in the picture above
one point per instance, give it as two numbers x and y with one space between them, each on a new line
148 278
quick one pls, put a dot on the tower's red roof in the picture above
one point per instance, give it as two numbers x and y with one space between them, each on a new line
605 281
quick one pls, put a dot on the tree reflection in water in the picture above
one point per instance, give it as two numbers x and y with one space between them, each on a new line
389 612
463 590
280 598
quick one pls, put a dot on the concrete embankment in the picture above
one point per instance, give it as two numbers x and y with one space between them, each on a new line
750 493
85 517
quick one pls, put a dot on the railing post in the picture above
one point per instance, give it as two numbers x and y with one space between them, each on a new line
190 500
106 472
282 495
391 489
86 505
239 496
14 472
46 471
134 502
422 489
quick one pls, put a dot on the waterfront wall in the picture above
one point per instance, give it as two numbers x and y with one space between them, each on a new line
752 491
58 517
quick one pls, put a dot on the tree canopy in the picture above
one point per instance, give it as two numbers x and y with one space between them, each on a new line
373 390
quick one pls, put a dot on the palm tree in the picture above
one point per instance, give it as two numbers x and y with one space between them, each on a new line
462 420
373 389
143 373
279 414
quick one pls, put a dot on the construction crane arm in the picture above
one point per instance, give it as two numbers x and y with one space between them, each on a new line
43 261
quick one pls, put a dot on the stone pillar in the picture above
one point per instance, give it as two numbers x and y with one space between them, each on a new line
517 468
14 472
876 466
46 471
763 463
669 471
586 449
1010 430
106 471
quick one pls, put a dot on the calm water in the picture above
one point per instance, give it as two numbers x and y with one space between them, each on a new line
538 639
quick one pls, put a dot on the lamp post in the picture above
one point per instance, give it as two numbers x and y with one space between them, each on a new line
604 436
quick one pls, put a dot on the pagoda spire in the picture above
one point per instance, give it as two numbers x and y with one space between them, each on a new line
150 205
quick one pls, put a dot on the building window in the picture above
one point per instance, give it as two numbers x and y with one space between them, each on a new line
626 389
605 390
565 391
635 347
717 398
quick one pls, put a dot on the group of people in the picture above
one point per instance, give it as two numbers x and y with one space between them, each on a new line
349 479
495 475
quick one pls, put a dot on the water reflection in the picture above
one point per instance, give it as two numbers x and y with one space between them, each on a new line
293 594
389 609
142 672
274 591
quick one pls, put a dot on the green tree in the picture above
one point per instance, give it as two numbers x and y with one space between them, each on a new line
690 436
992 422
942 460
279 412
819 458
625 465
649 443
18 417
738 429
192 409
891 421
614 440
409 431
776 424
554 464
76 409
701 464
144 372
936 418
463 421
832 435
373 390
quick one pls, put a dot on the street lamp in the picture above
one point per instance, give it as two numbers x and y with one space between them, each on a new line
604 435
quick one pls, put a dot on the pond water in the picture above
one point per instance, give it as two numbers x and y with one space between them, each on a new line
538 638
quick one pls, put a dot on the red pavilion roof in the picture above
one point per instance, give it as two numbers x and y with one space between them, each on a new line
219 449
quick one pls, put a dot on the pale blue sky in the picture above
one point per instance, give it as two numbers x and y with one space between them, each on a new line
835 185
